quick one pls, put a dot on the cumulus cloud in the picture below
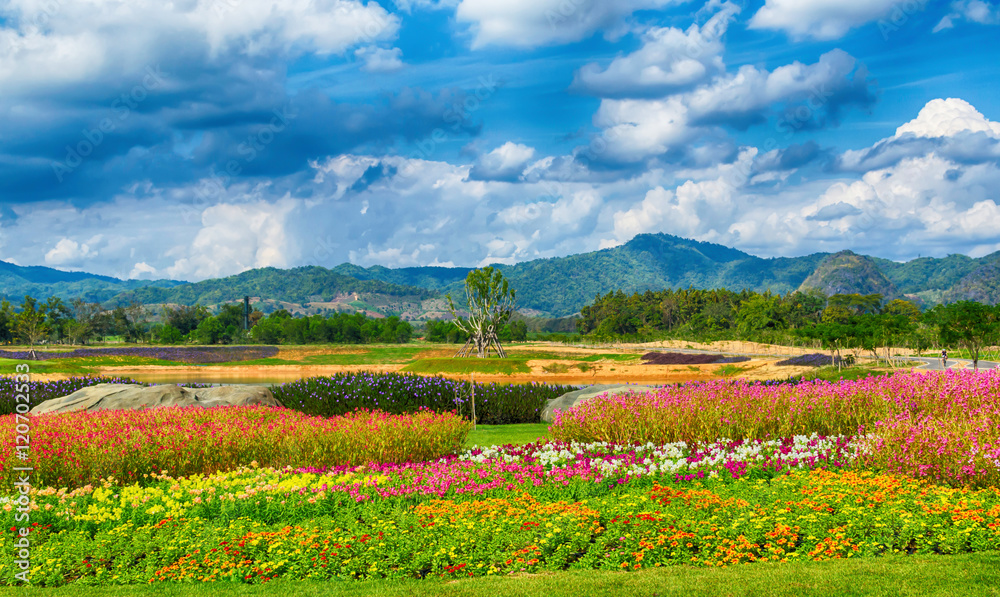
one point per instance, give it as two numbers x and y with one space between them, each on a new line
47 44
235 238
946 117
505 163
535 23
68 252
822 19
670 60
951 128
812 96
379 60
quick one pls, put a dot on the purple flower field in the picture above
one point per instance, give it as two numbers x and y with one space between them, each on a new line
178 354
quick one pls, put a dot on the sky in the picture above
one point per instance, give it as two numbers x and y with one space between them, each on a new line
202 138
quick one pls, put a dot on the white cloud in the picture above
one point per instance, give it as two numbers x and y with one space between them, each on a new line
635 129
68 252
47 44
946 117
141 271
379 60
669 60
234 238
975 11
422 212
531 23
506 162
823 19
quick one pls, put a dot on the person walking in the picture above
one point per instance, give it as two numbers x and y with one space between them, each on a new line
944 359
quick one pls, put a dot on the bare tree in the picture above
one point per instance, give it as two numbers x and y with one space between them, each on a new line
490 303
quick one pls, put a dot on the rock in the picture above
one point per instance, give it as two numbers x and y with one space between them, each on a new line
109 396
571 399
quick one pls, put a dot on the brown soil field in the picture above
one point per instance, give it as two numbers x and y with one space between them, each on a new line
568 371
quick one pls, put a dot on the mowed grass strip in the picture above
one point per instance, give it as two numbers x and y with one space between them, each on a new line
501 435
488 366
970 575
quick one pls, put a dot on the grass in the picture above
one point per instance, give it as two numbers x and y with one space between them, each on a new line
489 366
970 575
847 373
608 357
498 435
729 370
359 354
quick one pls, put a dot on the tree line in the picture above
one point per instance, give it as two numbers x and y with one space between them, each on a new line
79 322
841 322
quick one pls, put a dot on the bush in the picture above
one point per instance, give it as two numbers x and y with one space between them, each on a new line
40 391
496 404
938 426
77 449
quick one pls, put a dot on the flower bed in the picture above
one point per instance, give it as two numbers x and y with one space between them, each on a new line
945 426
802 515
177 354
40 391
496 404
76 449
546 469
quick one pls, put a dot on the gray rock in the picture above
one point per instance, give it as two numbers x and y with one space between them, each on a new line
571 399
109 396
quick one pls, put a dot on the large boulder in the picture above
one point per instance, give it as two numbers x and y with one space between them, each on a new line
571 399
110 396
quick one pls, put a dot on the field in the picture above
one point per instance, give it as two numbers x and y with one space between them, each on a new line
378 479
532 361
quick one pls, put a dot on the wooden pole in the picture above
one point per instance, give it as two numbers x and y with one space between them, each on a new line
473 401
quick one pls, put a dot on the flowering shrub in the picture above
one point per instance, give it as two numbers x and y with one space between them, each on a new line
177 354
496 404
547 470
77 449
803 515
40 391
939 425
815 359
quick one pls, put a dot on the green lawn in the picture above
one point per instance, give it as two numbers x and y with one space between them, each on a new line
499 435
969 575
488 366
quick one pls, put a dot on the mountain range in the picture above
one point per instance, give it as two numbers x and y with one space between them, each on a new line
553 287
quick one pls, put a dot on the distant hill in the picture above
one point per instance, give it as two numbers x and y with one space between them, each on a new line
299 285
554 287
847 273
40 282
982 284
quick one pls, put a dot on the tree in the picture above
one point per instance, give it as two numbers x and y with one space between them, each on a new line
29 323
184 318
136 316
756 314
7 322
85 315
968 324
57 316
209 331
490 302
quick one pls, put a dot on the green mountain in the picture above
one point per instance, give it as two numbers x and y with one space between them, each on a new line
555 287
982 284
298 285
848 273
16 281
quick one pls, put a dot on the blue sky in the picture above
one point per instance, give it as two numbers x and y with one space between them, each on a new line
202 138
